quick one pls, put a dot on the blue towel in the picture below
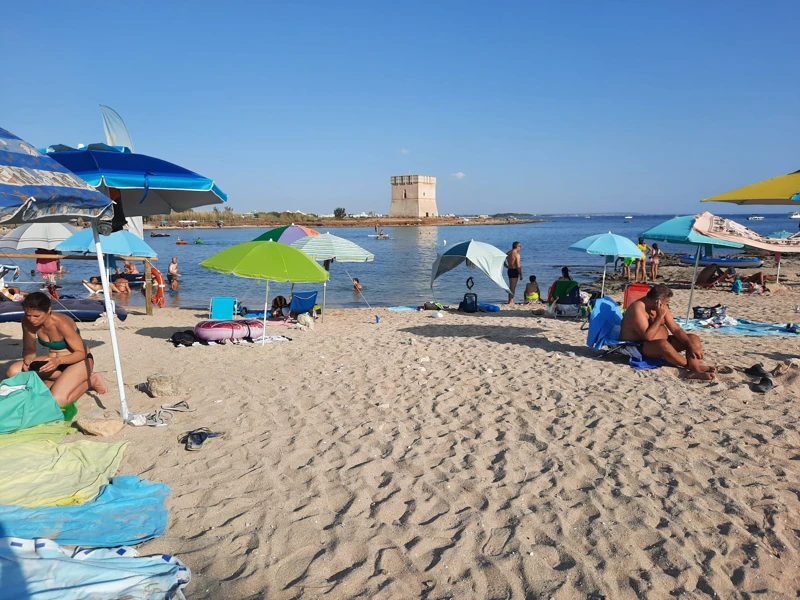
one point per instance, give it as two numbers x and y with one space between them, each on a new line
646 364
401 308
43 570
127 511
744 327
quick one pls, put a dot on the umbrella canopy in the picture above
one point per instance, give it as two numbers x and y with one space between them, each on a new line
782 234
679 231
147 185
33 187
721 229
288 234
484 256
776 191
272 261
608 244
327 246
120 243
37 235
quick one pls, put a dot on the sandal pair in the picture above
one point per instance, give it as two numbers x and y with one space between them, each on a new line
193 440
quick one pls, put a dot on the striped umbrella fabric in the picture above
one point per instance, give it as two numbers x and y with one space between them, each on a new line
34 187
287 234
326 246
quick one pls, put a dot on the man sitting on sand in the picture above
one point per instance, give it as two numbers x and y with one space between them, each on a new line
649 321
709 274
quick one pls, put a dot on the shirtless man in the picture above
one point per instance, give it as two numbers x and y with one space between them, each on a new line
172 274
130 268
514 266
709 274
649 321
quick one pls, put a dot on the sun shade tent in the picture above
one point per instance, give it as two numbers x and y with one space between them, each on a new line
607 245
680 231
328 247
270 261
38 235
35 188
782 190
147 185
484 257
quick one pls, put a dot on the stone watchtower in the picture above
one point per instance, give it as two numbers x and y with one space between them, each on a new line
414 196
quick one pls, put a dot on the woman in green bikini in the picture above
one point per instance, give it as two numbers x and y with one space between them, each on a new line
67 367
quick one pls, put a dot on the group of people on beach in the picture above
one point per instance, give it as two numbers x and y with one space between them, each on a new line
640 271
513 265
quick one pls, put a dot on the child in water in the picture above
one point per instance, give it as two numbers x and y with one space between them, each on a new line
532 291
356 285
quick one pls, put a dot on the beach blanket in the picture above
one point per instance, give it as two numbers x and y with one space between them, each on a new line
41 473
742 327
26 401
127 511
55 432
43 570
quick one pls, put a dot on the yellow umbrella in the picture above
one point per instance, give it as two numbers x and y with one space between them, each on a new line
778 190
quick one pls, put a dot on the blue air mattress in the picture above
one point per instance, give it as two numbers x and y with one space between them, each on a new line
486 307
78 309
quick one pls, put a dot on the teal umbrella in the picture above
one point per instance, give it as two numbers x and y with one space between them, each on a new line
607 245
679 231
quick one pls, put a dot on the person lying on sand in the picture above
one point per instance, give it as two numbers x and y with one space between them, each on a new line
650 321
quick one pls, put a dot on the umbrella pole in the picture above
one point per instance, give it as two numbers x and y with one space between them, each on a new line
111 318
778 275
603 288
324 292
694 278
266 303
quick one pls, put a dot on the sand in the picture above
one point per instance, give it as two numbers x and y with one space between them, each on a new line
474 456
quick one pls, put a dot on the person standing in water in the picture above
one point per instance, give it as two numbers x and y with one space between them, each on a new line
172 274
514 266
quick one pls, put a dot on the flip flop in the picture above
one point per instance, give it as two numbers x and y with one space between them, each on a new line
182 406
160 418
725 370
757 370
763 386
193 440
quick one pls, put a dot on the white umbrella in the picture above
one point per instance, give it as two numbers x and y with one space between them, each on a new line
38 235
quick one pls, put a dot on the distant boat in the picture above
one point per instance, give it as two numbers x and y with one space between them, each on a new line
154 234
755 218
587 217
795 215
629 217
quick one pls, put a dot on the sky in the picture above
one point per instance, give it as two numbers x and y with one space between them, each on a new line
540 107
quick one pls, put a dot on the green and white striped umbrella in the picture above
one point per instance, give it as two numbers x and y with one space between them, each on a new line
326 246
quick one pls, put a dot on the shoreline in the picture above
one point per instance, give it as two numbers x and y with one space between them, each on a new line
350 223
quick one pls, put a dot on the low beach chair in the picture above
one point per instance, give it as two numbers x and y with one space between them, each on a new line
222 308
302 302
634 292
604 327
564 300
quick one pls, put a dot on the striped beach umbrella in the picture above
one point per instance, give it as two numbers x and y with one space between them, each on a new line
327 247
287 234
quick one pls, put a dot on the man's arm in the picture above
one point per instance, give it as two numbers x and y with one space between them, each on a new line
694 350
636 325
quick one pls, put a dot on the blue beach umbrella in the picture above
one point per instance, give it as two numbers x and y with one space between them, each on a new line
679 231
147 185
119 243
607 245
33 188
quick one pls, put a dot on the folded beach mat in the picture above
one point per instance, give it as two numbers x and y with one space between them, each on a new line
43 570
128 511
26 401
41 473
55 432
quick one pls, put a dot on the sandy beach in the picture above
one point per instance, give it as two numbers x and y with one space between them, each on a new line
474 456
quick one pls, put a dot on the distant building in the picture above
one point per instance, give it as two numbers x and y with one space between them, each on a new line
414 196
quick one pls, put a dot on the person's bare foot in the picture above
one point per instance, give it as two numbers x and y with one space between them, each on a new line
98 384
701 375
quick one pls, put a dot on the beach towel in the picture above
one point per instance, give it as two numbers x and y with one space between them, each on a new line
127 511
402 308
41 473
41 569
742 327
55 432
26 401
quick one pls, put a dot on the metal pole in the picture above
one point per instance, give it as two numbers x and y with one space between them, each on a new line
603 289
324 291
266 304
694 278
148 288
123 403
778 275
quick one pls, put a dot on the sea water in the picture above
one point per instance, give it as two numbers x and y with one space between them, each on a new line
401 271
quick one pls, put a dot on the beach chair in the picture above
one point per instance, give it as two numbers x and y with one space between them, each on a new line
302 302
634 292
564 300
222 308
604 326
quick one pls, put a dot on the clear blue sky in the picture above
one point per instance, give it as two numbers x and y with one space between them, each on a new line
583 106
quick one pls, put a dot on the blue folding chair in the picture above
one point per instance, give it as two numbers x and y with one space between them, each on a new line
222 308
302 302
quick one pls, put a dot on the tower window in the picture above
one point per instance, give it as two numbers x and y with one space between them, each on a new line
404 195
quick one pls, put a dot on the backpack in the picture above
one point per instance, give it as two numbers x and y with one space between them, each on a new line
469 304
183 338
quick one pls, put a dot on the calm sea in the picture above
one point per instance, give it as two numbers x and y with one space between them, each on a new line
401 271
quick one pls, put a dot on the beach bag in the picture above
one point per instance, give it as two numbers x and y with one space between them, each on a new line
432 306
25 401
709 312
736 286
469 304
183 338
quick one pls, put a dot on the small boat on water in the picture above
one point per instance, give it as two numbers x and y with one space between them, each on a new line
379 237
743 262
181 243
795 215
755 218
154 234
629 217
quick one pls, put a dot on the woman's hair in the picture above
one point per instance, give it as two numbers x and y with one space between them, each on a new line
655 246
37 301
355 280
565 272
659 292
